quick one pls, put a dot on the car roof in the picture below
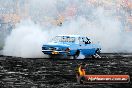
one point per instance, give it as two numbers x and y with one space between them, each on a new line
72 35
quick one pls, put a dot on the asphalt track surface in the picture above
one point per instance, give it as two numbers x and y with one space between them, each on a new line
17 72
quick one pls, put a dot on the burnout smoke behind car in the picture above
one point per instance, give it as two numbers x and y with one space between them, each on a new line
80 17
25 40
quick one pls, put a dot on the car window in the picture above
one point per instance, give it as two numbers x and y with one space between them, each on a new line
84 40
64 39
81 40
68 39
87 41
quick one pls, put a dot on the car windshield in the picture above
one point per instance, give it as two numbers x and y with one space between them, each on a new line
64 39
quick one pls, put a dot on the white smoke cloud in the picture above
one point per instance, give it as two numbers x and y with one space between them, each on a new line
27 38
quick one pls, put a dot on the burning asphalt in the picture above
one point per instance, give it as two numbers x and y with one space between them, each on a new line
55 73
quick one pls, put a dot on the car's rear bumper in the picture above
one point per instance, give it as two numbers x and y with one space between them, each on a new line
53 52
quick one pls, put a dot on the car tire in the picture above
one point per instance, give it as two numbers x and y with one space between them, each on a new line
76 54
97 54
98 51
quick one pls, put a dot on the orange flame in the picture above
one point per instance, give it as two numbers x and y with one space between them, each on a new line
81 71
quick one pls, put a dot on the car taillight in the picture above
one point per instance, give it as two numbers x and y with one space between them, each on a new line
67 49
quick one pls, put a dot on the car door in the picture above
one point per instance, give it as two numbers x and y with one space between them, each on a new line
86 47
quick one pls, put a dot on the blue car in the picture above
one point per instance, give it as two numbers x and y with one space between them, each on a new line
71 45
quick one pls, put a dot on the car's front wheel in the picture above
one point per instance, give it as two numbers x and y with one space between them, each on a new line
97 54
98 51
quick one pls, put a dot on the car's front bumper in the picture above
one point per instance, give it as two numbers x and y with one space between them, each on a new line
54 52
